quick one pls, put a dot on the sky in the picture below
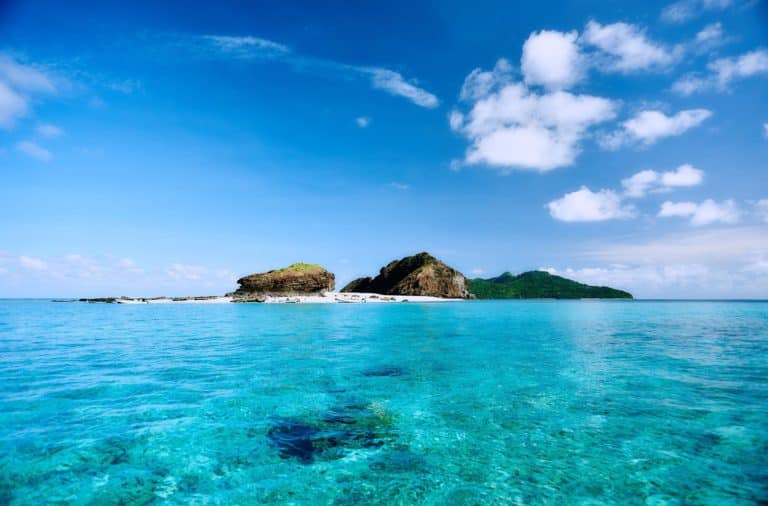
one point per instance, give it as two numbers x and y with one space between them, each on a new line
160 148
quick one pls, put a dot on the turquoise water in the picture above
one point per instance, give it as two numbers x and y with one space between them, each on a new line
455 403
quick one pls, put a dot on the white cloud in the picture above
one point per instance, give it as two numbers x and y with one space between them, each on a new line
765 130
704 213
647 181
50 131
481 83
715 245
128 264
761 209
257 49
32 263
684 10
723 72
709 37
34 150
363 121
12 106
186 272
640 183
627 48
510 126
648 127
394 83
246 46
707 263
18 83
586 205
684 175
552 59
749 64
23 77
456 119
399 186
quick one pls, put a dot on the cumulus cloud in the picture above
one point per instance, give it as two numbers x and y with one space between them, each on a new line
363 121
481 83
395 84
626 48
723 72
649 127
552 59
19 83
704 213
647 181
685 10
34 150
511 127
586 205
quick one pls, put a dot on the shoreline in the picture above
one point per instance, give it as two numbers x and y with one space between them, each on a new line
317 298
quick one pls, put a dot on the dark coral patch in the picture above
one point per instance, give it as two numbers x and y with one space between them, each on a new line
384 371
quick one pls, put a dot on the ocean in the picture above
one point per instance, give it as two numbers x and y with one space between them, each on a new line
478 402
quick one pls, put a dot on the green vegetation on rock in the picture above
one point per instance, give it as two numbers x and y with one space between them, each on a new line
539 285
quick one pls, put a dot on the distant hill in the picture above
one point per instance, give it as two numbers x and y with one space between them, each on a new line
539 285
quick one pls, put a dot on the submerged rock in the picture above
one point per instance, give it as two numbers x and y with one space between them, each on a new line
296 279
420 274
387 370
343 427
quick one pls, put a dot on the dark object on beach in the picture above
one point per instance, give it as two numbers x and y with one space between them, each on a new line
420 274
107 300
384 371
539 285
296 279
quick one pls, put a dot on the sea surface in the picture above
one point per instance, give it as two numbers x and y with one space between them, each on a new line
508 402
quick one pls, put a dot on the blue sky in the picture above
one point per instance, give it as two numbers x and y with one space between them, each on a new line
150 150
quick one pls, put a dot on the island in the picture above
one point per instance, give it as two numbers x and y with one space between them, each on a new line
540 285
416 278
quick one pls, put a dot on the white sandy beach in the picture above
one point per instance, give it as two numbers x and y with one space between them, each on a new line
324 298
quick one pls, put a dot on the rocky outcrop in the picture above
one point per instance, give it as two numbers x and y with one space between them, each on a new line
420 274
296 279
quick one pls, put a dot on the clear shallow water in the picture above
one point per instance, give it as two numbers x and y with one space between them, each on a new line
452 403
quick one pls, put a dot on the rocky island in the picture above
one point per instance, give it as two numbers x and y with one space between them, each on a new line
420 274
296 279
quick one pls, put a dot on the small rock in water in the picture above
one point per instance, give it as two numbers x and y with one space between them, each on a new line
384 371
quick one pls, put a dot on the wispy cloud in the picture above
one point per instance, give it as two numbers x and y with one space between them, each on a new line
19 84
399 186
251 48
48 130
34 150
723 72
685 10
